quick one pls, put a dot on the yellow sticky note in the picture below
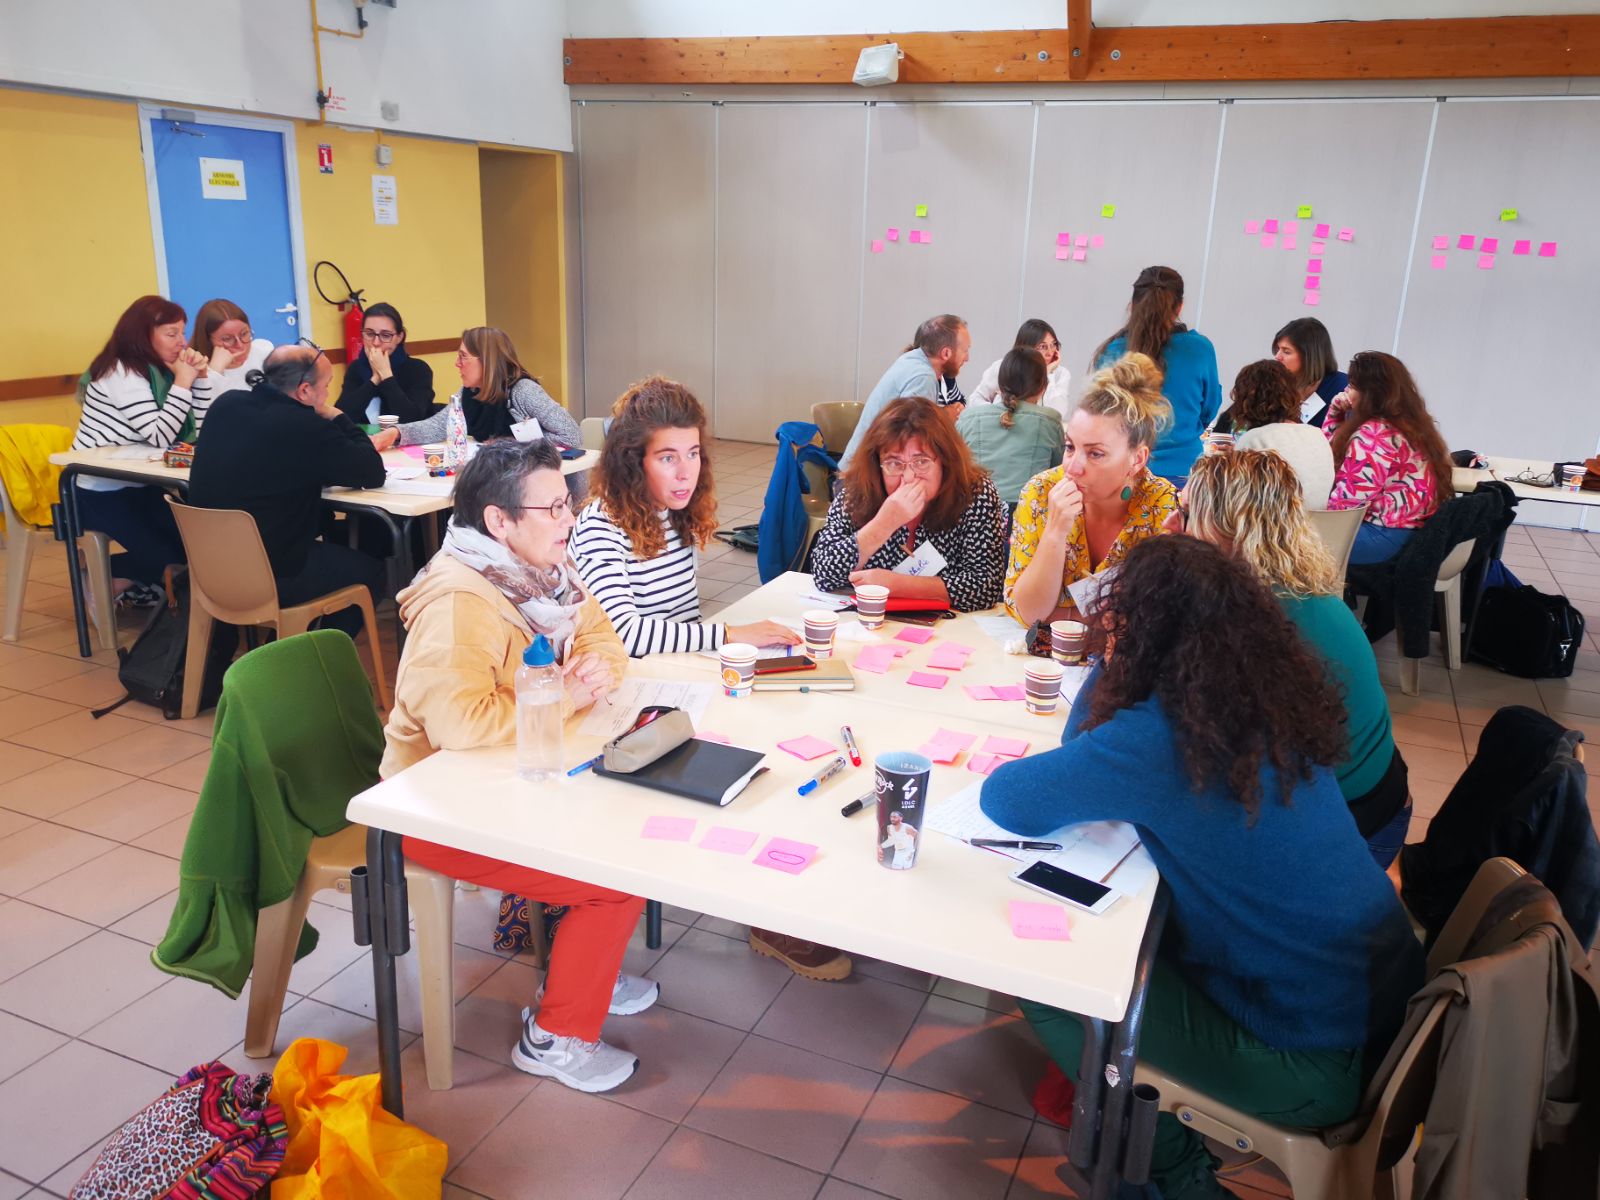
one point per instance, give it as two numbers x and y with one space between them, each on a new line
1508 214
922 210
1303 211
1108 210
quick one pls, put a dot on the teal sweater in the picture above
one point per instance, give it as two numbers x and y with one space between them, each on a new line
1190 384
1012 456
1287 924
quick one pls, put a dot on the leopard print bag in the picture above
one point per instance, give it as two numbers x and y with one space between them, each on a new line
213 1136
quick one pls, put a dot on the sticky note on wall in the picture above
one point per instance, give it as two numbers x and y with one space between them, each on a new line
892 234
1489 245
1270 225
1347 235
1320 231
1522 247
922 210
1063 253
1063 239
1508 214
1303 211
877 246
1547 249
1485 262
1466 242
1441 242
1438 261
1108 211
1313 298
1252 228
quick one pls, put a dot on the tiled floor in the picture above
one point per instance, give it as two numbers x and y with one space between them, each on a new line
752 1082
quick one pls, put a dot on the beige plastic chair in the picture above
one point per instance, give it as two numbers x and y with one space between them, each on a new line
838 420
328 865
1338 530
593 431
23 540
1447 589
816 504
1315 1169
230 580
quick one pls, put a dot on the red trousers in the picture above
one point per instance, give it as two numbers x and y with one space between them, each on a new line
588 951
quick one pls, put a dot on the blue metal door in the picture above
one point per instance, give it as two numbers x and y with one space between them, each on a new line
225 230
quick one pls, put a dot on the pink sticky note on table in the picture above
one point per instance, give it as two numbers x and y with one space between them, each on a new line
877 246
892 234
980 692
1466 242
1289 241
1347 235
982 764
1270 225
705 735
877 659
948 658
1313 282
414 451
1522 247
668 829
1437 262
924 679
1313 266
1079 255
727 840
1063 239
1039 922
1547 249
915 634
1081 240
808 747
1268 240
1096 241
1063 253
1313 298
952 737
1489 245
1321 231
1012 691
939 753
1485 262
1005 747
781 854
1252 228
1441 242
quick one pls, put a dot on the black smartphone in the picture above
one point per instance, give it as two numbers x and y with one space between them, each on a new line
779 664
1064 885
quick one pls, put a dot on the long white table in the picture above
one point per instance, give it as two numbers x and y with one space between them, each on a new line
1505 470
947 916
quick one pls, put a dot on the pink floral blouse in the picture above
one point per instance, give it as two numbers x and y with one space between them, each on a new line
1382 470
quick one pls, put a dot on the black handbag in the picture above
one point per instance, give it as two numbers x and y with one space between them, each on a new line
1522 631
152 668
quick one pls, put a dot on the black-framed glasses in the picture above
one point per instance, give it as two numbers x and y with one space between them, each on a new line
1534 478
384 336
555 510
305 341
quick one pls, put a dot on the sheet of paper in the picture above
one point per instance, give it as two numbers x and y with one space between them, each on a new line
924 562
385 201
722 739
808 747
668 829
915 634
1039 922
426 485
924 679
876 659
1000 625
727 840
407 472
612 720
1086 591
134 454
781 854
949 658
815 599
1005 747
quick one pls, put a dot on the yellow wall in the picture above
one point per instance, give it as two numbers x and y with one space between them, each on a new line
76 245
523 251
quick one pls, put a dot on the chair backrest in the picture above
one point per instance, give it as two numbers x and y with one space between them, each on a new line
1338 529
1456 561
593 430
817 500
838 420
1493 877
230 576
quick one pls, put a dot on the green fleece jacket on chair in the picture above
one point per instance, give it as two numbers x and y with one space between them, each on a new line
296 737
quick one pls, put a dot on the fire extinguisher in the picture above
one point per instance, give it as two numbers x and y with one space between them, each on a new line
350 306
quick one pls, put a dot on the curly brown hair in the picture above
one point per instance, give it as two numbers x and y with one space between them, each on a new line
896 425
1198 632
618 483
1264 393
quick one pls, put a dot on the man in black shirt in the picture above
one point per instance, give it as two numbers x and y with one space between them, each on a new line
270 451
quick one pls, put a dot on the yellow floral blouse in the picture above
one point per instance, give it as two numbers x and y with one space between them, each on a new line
1153 501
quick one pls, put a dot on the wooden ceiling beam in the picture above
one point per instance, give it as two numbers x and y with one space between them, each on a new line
1458 48
1080 36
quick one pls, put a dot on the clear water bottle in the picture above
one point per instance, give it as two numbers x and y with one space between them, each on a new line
539 691
455 435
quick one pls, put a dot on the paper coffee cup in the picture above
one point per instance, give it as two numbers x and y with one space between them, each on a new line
433 458
1041 686
1067 641
738 668
1218 442
820 626
901 780
388 421
871 600
1572 478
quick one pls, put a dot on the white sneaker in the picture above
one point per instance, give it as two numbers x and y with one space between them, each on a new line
631 995
585 1066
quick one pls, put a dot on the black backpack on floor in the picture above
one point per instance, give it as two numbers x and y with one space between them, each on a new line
152 668
1524 632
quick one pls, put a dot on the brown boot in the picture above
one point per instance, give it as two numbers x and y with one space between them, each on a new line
806 959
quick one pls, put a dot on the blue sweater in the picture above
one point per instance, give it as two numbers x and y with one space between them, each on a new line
1191 386
1288 926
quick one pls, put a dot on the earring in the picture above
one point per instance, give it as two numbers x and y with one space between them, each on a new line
1127 492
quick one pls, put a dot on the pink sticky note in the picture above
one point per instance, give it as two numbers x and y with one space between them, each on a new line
1252 228
1063 253
1437 262
1321 231
1522 247
877 659
980 692
705 735
924 679
982 764
1489 245
952 737
1079 255
1005 747
914 236
727 840
808 747
1547 249
1347 235
783 855
1441 242
1268 240
877 246
939 753
948 658
1466 242
1313 266
1270 225
1289 241
1291 227
1081 240
1313 282
926 237
414 451
1318 247
1039 922
1313 298
1063 239
1012 691
1096 241
1485 262
892 234
668 829
914 634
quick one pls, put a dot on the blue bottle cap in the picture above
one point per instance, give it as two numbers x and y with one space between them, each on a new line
540 653
808 787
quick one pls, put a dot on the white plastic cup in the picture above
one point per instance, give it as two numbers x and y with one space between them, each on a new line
871 601
820 628
738 668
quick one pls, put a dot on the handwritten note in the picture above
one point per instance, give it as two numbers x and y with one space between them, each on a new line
808 747
1004 746
1303 211
781 854
1039 922
925 679
1508 214
1522 247
1321 231
668 829
915 634
1347 235
727 840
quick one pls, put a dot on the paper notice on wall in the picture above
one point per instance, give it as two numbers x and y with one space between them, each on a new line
222 179
385 201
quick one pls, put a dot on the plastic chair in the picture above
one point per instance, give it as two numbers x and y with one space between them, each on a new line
838 420
1328 1164
1448 590
593 430
230 580
816 503
1338 529
24 537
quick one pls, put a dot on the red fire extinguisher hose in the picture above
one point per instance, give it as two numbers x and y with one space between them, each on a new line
349 305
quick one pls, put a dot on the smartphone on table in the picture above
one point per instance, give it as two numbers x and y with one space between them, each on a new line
1077 891
778 664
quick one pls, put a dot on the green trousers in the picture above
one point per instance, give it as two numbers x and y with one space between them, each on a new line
1188 1036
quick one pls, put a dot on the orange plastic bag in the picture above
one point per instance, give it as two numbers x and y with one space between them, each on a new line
343 1144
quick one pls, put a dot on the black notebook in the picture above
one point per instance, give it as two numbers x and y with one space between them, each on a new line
698 770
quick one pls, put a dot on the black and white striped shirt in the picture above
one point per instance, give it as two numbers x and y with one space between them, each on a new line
119 409
652 602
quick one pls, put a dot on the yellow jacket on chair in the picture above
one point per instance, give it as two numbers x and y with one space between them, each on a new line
25 470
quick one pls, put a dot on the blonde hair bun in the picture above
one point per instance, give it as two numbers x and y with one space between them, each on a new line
1130 390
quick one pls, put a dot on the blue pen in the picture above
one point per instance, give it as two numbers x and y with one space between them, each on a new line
827 772
584 766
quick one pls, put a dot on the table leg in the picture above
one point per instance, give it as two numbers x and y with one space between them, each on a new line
68 530
652 924
387 926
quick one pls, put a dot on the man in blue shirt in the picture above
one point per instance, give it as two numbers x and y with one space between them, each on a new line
939 351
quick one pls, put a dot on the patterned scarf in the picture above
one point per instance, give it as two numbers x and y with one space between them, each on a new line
548 598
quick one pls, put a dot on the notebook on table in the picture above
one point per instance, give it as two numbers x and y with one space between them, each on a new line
697 770
830 675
